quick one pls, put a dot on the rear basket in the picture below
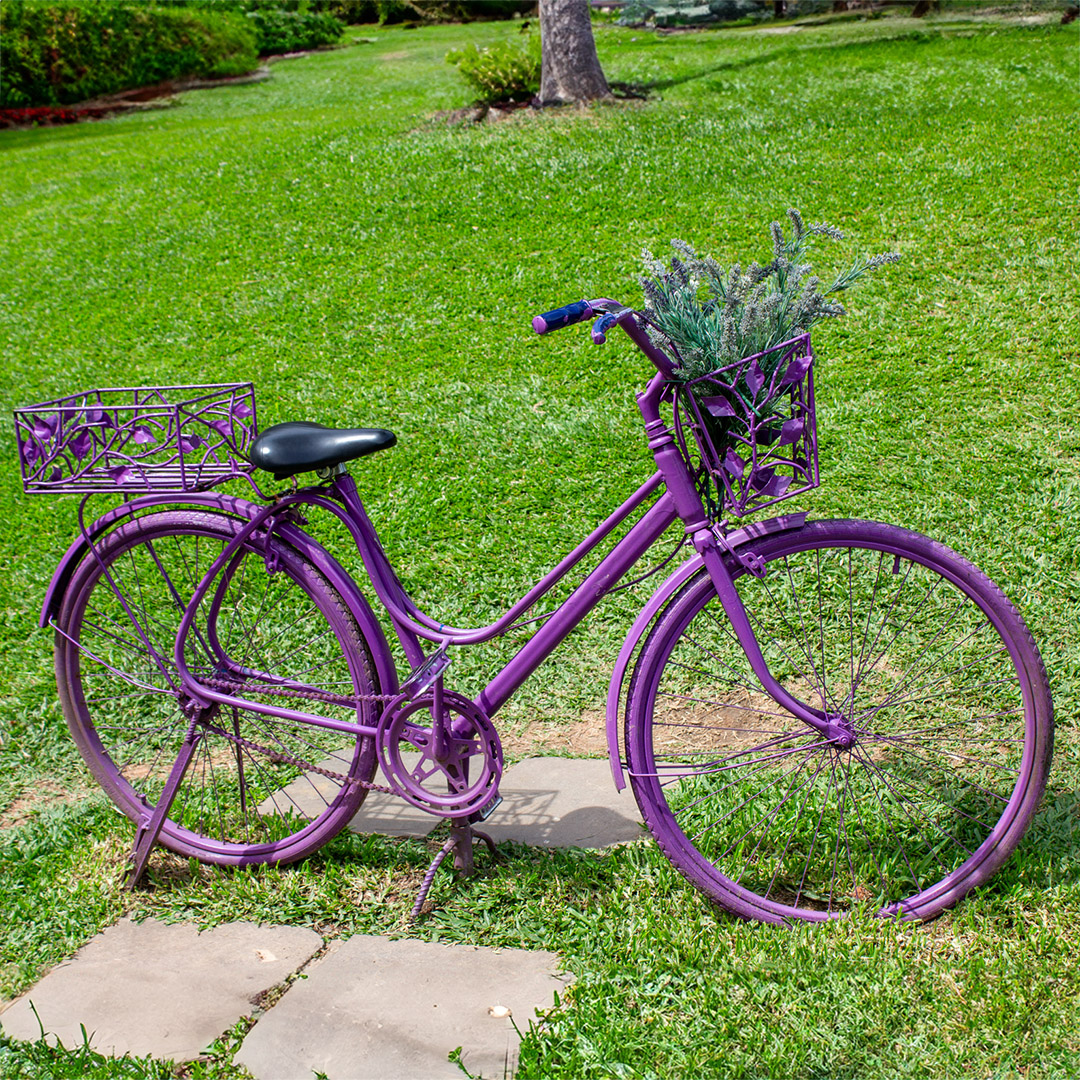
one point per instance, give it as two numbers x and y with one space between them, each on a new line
754 424
173 438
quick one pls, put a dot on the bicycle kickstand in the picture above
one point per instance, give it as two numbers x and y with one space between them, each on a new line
149 827
462 837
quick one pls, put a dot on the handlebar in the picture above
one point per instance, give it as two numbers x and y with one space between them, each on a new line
563 316
609 313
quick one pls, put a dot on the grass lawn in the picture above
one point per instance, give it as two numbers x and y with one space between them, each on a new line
363 264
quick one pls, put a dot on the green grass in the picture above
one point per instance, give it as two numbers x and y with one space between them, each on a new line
320 235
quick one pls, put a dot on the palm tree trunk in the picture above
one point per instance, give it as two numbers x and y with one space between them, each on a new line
570 70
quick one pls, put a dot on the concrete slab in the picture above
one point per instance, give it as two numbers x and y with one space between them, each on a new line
153 988
563 802
387 815
393 1010
547 802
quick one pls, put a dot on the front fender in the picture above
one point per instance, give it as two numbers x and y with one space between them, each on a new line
648 613
245 510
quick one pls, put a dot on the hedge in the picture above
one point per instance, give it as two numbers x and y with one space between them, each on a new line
65 52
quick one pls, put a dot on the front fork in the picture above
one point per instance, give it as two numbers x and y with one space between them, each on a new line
835 728
709 543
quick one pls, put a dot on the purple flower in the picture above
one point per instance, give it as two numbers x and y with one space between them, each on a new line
734 464
766 482
45 428
99 418
718 406
792 431
798 367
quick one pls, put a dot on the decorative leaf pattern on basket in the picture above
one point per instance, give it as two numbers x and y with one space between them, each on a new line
144 438
754 423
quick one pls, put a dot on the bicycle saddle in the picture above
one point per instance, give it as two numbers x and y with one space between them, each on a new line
299 446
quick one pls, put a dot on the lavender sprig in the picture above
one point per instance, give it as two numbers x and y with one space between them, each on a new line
709 317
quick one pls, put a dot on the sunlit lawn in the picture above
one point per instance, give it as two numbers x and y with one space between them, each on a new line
364 264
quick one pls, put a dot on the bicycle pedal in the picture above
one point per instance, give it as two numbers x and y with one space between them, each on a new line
486 810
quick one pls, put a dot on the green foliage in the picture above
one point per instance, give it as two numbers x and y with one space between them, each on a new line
506 71
742 314
59 53
280 25
40 1060
290 31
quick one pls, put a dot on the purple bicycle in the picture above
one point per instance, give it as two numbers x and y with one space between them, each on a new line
814 716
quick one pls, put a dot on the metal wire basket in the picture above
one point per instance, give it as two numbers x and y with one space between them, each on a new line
171 438
754 423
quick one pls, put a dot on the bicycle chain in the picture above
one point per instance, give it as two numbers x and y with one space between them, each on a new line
279 756
310 695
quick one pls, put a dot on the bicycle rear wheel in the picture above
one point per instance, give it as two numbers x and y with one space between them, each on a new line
248 795
937 675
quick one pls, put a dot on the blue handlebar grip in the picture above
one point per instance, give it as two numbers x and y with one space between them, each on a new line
602 326
560 317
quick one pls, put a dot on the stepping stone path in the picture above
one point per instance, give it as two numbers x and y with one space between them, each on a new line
369 1007
393 1010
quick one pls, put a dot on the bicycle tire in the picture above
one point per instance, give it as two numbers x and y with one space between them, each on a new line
944 688
236 805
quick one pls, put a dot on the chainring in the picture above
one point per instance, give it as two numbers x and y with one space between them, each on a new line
463 784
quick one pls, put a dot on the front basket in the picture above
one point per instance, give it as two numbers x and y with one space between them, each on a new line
172 438
754 424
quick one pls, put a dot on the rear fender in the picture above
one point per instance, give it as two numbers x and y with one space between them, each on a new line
245 510
648 613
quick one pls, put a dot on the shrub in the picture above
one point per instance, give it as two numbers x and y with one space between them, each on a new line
280 25
281 31
64 52
507 71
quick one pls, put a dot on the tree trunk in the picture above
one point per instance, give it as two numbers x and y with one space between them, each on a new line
569 67
779 9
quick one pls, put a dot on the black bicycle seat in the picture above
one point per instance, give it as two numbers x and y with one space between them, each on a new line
299 446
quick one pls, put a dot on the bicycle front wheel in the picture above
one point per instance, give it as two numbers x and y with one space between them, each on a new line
249 794
943 688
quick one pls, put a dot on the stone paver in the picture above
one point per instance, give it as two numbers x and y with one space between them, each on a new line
563 802
380 1009
547 802
153 988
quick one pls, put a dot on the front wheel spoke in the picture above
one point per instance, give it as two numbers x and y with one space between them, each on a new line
733 762
751 772
923 663
904 748
962 689
913 784
817 829
771 816
919 820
